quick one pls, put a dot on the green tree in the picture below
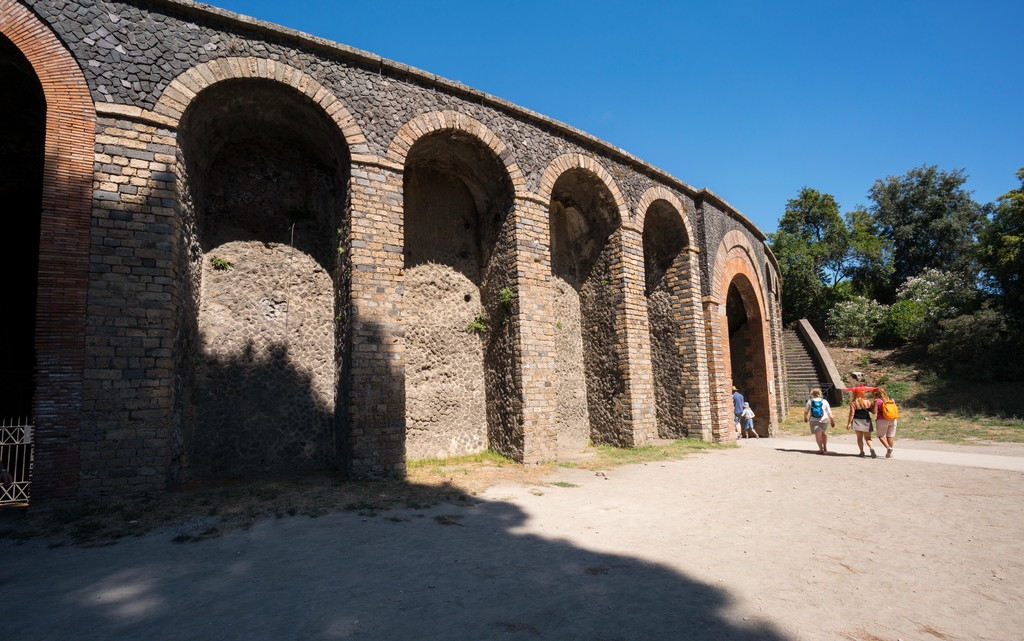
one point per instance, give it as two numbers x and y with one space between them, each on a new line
870 259
812 245
931 220
1001 248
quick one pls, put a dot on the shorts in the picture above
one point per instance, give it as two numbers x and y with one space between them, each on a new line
818 426
862 425
748 423
739 420
886 427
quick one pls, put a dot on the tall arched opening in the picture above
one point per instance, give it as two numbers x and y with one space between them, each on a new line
672 307
590 390
747 360
264 195
22 154
459 259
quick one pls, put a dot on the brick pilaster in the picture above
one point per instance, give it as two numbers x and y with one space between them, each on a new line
372 398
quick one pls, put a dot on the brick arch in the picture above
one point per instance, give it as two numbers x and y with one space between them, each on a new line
63 252
660 193
566 162
427 123
178 95
734 263
734 240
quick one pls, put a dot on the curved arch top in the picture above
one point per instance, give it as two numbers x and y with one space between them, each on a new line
64 245
430 122
180 93
566 162
660 193
735 241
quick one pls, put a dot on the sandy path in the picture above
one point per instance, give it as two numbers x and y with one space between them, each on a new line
754 543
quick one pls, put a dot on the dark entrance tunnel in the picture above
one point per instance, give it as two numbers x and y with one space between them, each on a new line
591 390
263 184
460 339
746 350
22 153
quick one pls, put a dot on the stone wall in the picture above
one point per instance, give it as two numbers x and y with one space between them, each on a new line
211 128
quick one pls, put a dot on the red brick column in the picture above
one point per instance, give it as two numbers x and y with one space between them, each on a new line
63 253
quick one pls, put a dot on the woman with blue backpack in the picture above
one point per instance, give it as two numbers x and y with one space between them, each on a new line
818 413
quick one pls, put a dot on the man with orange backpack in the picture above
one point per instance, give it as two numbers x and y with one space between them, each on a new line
886 414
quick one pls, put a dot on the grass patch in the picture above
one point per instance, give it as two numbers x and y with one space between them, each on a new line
607 456
487 456
564 484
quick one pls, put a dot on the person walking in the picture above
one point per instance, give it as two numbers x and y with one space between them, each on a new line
737 410
860 421
886 415
818 413
748 422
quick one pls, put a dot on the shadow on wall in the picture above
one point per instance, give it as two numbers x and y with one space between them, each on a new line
261 414
468 576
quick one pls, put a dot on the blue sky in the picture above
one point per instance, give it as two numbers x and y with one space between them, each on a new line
751 99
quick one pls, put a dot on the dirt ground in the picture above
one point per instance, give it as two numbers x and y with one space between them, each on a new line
761 542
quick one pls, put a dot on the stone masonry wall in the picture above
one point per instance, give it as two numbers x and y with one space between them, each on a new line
142 387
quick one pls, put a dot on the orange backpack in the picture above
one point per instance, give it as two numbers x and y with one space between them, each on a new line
889 410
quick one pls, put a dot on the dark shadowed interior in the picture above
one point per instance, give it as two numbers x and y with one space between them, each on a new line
22 151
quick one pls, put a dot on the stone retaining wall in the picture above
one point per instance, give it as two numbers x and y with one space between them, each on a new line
377 366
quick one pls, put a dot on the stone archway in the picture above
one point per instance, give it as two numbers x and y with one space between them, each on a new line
585 211
63 248
672 290
459 290
737 322
263 177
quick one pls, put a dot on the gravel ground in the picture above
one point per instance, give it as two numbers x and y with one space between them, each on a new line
753 543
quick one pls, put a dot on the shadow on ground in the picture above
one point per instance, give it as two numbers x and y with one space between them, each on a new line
448 572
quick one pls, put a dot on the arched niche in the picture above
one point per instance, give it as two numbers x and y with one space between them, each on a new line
672 306
263 190
590 389
459 258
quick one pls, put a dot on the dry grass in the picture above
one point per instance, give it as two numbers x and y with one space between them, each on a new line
202 510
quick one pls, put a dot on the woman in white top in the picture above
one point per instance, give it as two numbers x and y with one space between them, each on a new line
818 413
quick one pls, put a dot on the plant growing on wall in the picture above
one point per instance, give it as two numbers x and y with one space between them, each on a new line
219 263
506 297
478 325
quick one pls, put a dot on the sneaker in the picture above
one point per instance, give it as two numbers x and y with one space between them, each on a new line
889 453
861 455
873 455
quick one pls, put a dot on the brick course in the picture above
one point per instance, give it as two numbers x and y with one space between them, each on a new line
123 197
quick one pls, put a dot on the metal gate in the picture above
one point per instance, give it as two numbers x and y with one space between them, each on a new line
16 456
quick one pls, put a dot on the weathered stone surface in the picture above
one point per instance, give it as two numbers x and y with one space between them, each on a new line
359 204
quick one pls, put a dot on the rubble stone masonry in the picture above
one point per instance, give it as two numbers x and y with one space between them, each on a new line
333 333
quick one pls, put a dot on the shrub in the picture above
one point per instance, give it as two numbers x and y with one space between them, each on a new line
905 322
506 297
980 346
940 295
854 322
478 325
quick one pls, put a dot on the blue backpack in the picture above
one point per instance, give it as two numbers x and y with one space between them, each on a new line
816 409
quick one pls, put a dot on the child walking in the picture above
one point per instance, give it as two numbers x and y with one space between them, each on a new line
748 422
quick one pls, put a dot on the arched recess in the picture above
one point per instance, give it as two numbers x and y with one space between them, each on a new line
747 354
48 148
585 210
263 178
459 292
673 311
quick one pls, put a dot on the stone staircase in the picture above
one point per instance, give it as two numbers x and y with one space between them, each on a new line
801 368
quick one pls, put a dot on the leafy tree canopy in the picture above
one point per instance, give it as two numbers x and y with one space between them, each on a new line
931 220
1001 247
